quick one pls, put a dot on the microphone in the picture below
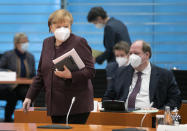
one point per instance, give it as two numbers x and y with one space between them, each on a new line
54 126
145 114
135 129
72 101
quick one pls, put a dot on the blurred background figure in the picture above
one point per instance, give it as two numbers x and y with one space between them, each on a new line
22 62
121 50
114 31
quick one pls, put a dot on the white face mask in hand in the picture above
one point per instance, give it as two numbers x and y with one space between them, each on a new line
121 61
135 60
62 34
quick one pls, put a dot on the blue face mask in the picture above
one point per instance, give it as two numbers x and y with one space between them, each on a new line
24 46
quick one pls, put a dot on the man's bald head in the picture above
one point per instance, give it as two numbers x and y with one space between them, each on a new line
141 45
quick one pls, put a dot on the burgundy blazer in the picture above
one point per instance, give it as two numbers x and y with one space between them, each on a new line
59 91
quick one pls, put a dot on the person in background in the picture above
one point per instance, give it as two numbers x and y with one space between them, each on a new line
22 62
61 86
142 83
121 50
114 31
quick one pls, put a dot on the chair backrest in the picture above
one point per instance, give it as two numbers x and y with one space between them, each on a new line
181 78
99 83
1 55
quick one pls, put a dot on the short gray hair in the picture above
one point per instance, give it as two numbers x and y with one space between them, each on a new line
18 36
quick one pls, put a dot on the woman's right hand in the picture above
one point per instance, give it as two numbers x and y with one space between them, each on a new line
64 74
26 104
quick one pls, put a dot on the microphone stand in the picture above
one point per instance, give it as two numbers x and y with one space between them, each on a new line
135 129
55 126
67 126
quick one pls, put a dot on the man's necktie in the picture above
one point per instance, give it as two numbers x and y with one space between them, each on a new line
132 96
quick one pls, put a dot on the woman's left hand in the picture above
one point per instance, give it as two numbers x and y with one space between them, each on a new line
64 74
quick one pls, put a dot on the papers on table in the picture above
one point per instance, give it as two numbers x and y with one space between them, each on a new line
144 111
7 76
182 127
95 106
100 106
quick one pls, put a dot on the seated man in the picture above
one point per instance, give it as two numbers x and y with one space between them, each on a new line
142 83
121 50
23 63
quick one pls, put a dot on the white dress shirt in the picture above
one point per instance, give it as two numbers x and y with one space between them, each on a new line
142 98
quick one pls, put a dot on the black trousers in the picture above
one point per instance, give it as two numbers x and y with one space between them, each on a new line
73 119
11 97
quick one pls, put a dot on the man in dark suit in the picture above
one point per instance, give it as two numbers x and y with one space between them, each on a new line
114 31
121 50
142 83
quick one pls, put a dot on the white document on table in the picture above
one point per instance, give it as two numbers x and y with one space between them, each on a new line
95 106
7 76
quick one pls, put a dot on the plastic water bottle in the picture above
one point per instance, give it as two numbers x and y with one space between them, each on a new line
167 116
176 117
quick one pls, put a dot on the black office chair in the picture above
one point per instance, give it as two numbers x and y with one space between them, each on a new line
99 83
181 78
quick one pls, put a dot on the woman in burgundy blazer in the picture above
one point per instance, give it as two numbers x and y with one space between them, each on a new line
62 86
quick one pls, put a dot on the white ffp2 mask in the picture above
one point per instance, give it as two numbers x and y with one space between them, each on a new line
135 60
24 46
62 34
121 61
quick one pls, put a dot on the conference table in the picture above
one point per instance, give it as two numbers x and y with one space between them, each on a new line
75 127
39 115
104 118
18 81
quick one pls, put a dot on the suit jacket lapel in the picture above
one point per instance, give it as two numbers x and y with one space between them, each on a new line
153 82
128 80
